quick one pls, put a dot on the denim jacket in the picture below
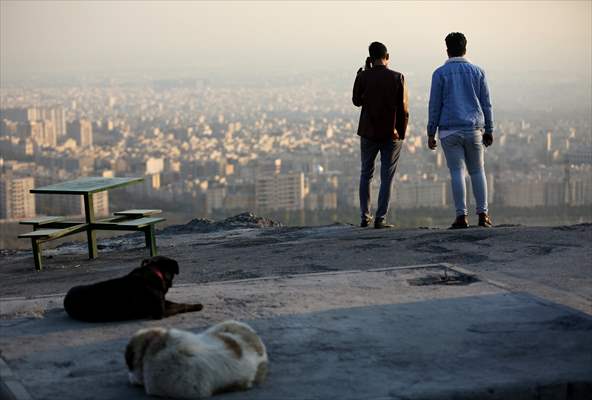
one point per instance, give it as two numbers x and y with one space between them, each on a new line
459 98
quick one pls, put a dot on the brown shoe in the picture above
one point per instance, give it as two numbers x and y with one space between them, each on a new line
460 222
380 224
485 221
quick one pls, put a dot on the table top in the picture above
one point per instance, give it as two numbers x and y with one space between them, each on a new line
86 185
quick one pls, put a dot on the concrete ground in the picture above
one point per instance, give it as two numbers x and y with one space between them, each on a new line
550 262
362 329
388 334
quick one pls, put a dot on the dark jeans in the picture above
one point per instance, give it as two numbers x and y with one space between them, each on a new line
389 158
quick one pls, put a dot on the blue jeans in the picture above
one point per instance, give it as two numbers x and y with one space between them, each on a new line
389 158
466 148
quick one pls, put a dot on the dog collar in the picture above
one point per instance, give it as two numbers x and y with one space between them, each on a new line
159 274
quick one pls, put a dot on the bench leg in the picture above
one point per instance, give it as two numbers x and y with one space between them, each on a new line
37 254
151 240
91 237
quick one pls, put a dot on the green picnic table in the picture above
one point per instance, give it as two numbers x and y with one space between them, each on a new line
51 227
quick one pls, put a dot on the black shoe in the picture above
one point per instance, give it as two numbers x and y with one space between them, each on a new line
380 224
485 221
460 222
365 222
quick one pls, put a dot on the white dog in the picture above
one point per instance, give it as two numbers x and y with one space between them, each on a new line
173 363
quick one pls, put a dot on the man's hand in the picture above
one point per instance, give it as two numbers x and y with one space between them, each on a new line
432 144
487 139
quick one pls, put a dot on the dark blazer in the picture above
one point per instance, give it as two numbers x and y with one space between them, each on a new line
382 93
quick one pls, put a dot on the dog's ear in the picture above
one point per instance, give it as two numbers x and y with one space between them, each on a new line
162 263
168 265
174 267
129 356
149 339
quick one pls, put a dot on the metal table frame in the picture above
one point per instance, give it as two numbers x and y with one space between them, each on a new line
86 187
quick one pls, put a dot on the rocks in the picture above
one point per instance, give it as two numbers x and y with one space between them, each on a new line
195 225
239 221
250 220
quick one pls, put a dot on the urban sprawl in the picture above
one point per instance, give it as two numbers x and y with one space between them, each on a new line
210 149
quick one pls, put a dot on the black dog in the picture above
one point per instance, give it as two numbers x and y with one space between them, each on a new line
140 294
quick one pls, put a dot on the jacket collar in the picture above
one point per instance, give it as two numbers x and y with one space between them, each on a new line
457 59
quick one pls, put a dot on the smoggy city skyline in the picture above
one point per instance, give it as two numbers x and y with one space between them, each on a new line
53 38
247 106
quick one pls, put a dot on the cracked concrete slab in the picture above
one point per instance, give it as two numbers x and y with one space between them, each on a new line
550 262
344 335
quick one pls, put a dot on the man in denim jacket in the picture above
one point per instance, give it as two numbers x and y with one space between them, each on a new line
460 110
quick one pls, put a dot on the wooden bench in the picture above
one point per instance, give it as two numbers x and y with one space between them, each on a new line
39 236
144 224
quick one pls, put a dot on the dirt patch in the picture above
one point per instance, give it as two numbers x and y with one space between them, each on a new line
240 221
445 277
539 250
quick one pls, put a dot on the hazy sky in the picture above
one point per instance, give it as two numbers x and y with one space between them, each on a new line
84 36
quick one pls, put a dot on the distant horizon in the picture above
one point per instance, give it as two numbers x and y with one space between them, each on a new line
71 39
512 93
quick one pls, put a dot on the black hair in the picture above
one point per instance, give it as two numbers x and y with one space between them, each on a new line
377 51
456 43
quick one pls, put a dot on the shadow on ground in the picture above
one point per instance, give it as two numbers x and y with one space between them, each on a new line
496 346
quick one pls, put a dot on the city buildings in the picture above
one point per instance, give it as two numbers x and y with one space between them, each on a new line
280 191
15 200
81 131
209 149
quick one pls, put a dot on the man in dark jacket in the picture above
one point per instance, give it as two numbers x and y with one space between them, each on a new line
382 94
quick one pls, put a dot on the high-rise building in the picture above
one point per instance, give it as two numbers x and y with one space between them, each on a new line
50 138
71 205
41 132
154 165
215 197
15 114
15 199
579 155
268 167
321 201
283 191
81 131
240 197
57 116
4 197
101 203
419 194
522 193
549 142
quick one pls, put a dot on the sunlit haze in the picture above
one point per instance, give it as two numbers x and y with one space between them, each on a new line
231 107
428 220
52 38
